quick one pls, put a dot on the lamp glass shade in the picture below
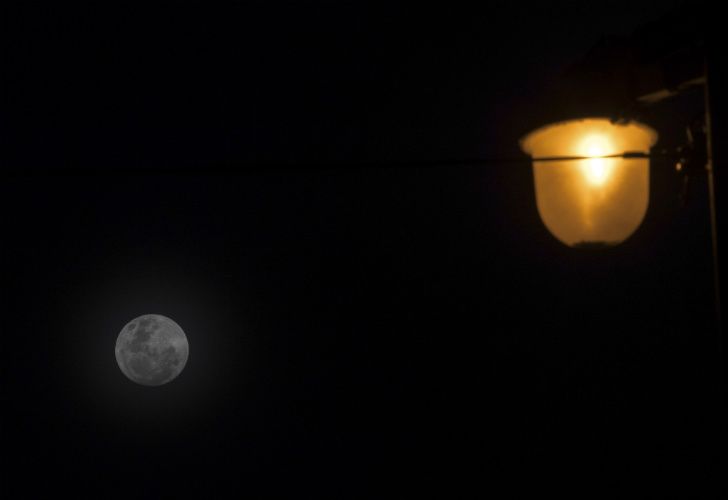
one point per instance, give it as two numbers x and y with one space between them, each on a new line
597 201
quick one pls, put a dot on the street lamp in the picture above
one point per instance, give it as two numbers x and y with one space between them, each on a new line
591 173
591 178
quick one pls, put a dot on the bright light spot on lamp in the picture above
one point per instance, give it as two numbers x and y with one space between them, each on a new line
597 201
599 170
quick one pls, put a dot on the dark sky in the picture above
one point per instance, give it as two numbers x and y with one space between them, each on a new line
355 330
292 81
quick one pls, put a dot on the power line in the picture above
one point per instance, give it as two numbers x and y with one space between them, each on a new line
252 167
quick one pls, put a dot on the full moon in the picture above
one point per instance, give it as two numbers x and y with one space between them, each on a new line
152 350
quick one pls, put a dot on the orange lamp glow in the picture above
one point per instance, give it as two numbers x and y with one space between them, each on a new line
597 201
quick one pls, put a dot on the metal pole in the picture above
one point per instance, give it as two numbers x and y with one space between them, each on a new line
711 196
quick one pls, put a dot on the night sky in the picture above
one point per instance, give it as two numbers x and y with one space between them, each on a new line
360 323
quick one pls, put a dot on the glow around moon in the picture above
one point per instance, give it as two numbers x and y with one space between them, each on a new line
152 350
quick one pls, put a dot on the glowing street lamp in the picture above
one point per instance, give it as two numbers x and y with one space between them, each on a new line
591 174
591 178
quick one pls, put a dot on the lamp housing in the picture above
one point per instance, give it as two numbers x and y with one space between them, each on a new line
596 201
